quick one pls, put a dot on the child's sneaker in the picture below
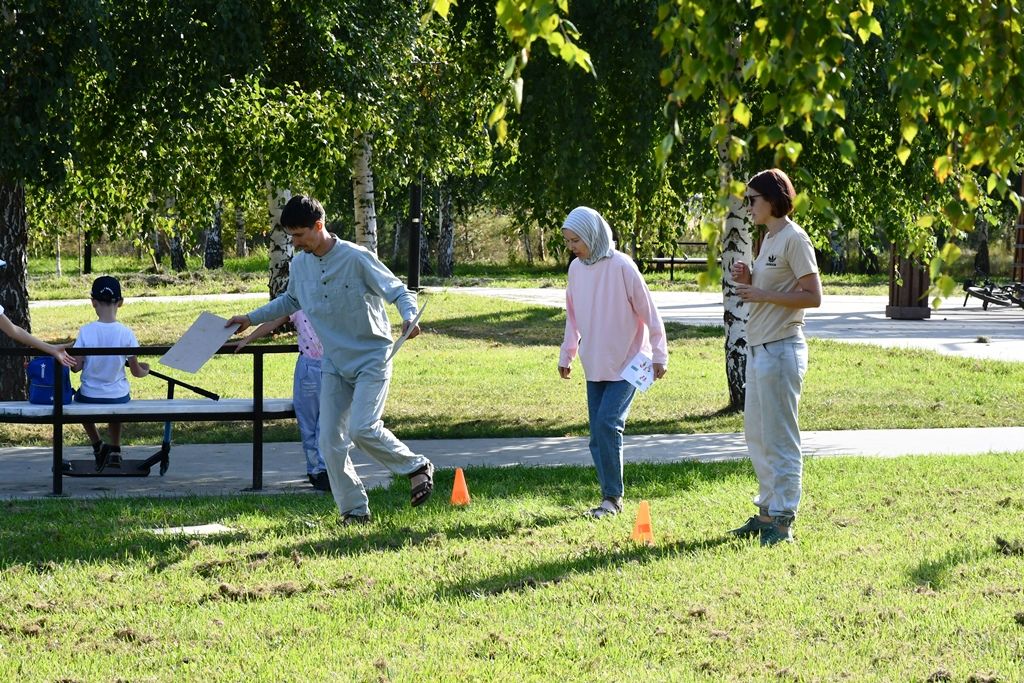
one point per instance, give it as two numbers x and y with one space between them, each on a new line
109 456
97 454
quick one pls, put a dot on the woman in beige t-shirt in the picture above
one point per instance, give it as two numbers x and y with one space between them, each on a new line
780 284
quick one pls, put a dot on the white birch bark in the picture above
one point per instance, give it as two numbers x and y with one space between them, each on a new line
362 192
736 246
280 245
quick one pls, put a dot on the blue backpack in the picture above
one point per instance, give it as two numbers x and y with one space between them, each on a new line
41 377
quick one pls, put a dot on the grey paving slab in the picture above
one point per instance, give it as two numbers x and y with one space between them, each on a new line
227 469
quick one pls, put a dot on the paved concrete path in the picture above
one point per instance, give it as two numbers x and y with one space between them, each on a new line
227 468
997 333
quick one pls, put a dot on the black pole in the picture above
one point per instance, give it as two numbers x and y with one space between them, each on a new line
415 221
87 257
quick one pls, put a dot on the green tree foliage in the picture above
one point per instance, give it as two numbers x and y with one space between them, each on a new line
585 141
780 71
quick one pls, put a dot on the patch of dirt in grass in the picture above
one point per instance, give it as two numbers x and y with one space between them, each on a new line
940 676
1019 618
524 583
286 589
33 628
210 567
1009 547
129 635
983 678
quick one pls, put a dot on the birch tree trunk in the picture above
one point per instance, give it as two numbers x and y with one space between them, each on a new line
280 245
213 256
425 267
241 246
13 285
56 253
446 237
736 246
178 264
527 245
396 243
362 193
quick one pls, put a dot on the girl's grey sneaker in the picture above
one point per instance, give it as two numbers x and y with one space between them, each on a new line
752 527
608 507
774 534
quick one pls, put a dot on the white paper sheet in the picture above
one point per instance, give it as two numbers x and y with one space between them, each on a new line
201 530
199 343
401 340
639 371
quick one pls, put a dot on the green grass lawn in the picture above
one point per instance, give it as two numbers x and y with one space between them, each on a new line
487 367
250 275
898 574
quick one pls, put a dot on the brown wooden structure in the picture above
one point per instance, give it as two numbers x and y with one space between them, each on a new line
909 300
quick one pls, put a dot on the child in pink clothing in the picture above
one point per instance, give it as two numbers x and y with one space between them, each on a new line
305 391
610 317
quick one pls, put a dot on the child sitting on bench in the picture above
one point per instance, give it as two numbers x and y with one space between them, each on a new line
103 377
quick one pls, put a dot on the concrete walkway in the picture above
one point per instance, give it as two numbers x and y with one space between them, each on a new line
996 334
227 468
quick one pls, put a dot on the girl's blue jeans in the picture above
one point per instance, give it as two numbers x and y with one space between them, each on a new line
608 404
306 400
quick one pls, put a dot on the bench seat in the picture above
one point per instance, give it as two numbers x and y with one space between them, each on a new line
155 410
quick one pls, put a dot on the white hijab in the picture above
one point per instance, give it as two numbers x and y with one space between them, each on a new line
592 228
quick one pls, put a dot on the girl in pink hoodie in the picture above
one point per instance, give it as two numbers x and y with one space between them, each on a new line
610 317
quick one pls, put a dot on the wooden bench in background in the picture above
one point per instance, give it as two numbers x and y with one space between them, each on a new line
684 253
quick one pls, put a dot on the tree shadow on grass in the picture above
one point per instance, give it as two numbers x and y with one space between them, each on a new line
42 535
553 572
935 573
537 326
573 489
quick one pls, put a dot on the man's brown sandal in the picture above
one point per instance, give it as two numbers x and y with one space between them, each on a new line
422 482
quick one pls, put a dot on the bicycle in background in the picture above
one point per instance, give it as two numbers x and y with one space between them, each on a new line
1010 294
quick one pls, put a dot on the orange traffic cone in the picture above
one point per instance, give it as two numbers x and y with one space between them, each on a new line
460 494
642 529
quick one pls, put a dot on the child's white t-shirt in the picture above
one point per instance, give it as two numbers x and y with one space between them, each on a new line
103 376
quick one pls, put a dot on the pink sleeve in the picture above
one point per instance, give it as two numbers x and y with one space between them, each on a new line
647 312
572 334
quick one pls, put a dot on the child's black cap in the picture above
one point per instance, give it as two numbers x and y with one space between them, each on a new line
106 289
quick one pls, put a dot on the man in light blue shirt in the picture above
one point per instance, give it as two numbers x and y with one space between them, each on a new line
342 289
